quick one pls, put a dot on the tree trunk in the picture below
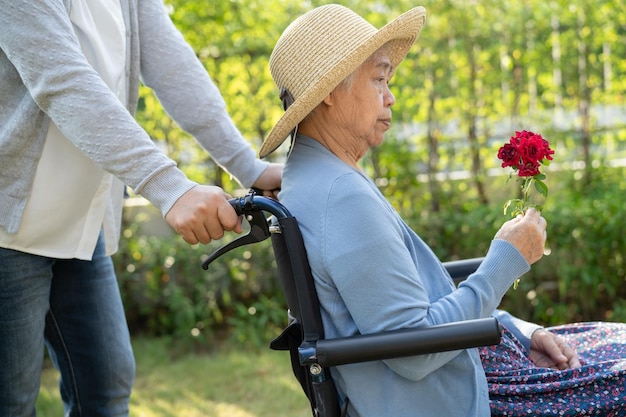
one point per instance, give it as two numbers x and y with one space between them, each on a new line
557 75
433 147
472 136
584 97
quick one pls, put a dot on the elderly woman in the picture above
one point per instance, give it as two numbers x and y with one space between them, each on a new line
372 272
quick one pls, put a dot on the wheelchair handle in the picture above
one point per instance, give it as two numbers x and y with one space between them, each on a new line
251 207
252 202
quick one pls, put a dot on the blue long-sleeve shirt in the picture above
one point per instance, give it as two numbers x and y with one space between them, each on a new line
373 273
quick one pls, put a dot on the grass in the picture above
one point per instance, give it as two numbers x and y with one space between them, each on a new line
226 383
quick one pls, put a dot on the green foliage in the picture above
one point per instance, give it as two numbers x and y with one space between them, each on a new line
581 278
167 293
259 323
587 241
583 275
480 71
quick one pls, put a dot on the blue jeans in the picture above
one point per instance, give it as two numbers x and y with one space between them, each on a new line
74 308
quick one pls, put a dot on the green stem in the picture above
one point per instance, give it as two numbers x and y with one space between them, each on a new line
528 181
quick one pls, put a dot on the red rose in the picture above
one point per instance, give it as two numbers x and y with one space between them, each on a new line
528 169
531 148
546 149
525 153
510 155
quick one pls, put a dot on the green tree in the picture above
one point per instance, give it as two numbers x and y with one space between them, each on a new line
481 70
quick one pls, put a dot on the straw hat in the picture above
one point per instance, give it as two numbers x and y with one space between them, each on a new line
320 49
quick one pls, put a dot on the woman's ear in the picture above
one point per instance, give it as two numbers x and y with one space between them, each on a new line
329 100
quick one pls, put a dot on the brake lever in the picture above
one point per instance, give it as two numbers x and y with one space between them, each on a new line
259 230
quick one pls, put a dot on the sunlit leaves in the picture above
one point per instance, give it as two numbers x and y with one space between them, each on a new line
486 65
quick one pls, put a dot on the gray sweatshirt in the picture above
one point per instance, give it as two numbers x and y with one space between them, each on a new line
45 77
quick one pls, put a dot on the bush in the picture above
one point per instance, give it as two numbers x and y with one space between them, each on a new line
586 268
583 276
582 279
167 293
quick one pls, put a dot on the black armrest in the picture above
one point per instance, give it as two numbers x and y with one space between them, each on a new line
404 342
459 270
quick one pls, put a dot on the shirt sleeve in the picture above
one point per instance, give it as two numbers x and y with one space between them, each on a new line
522 330
170 67
38 38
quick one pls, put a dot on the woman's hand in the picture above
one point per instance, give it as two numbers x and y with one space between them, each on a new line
527 233
548 350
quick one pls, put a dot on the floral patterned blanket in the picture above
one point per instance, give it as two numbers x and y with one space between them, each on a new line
519 388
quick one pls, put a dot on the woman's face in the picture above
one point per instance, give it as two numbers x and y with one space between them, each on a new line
363 103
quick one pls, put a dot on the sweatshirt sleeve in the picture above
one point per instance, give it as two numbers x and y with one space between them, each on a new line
523 330
38 38
170 67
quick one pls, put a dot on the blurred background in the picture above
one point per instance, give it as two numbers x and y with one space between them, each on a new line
480 71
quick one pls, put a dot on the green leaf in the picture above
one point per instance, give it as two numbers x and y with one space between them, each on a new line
541 187
506 206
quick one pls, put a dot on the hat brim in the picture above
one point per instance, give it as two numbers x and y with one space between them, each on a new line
401 34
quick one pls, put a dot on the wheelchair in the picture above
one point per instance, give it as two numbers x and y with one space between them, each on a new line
312 355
